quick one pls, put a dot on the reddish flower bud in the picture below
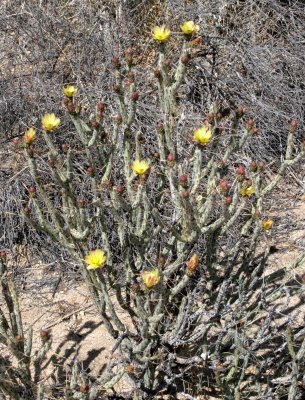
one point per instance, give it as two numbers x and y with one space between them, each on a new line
95 124
134 96
30 152
196 41
51 162
26 211
170 157
100 106
293 125
116 62
119 119
250 122
45 335
107 184
168 64
160 127
117 88
66 101
70 108
183 180
240 111
253 166
255 131
84 388
224 186
161 262
261 166
240 170
19 338
32 190
15 141
90 171
228 200
248 183
135 287
156 155
157 73
210 117
81 203
64 147
119 189
219 116
3 255
185 59
185 194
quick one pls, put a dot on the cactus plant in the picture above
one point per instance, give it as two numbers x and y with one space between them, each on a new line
172 239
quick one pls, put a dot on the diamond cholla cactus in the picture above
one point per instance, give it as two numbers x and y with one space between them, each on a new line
189 314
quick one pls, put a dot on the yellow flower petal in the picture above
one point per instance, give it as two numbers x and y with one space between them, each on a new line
29 136
50 122
161 34
202 135
140 167
267 224
189 28
247 191
95 259
70 91
150 278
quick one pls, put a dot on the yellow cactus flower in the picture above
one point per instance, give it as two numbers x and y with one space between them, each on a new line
70 91
50 122
161 34
140 167
267 224
150 278
95 259
247 191
29 136
189 28
202 135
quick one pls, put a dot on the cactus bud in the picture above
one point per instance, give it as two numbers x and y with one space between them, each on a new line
134 96
256 214
135 287
219 116
90 171
3 255
84 388
81 203
32 190
64 148
119 189
19 338
261 166
293 126
240 170
26 211
77 108
107 184
130 369
228 200
51 162
44 335
117 88
15 141
160 127
185 59
168 64
161 262
30 152
157 73
170 159
66 101
255 131
210 117
70 107
240 111
185 194
119 119
195 42
156 155
192 264
183 180
253 166
267 224
95 124
116 62
100 106
249 125
224 186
